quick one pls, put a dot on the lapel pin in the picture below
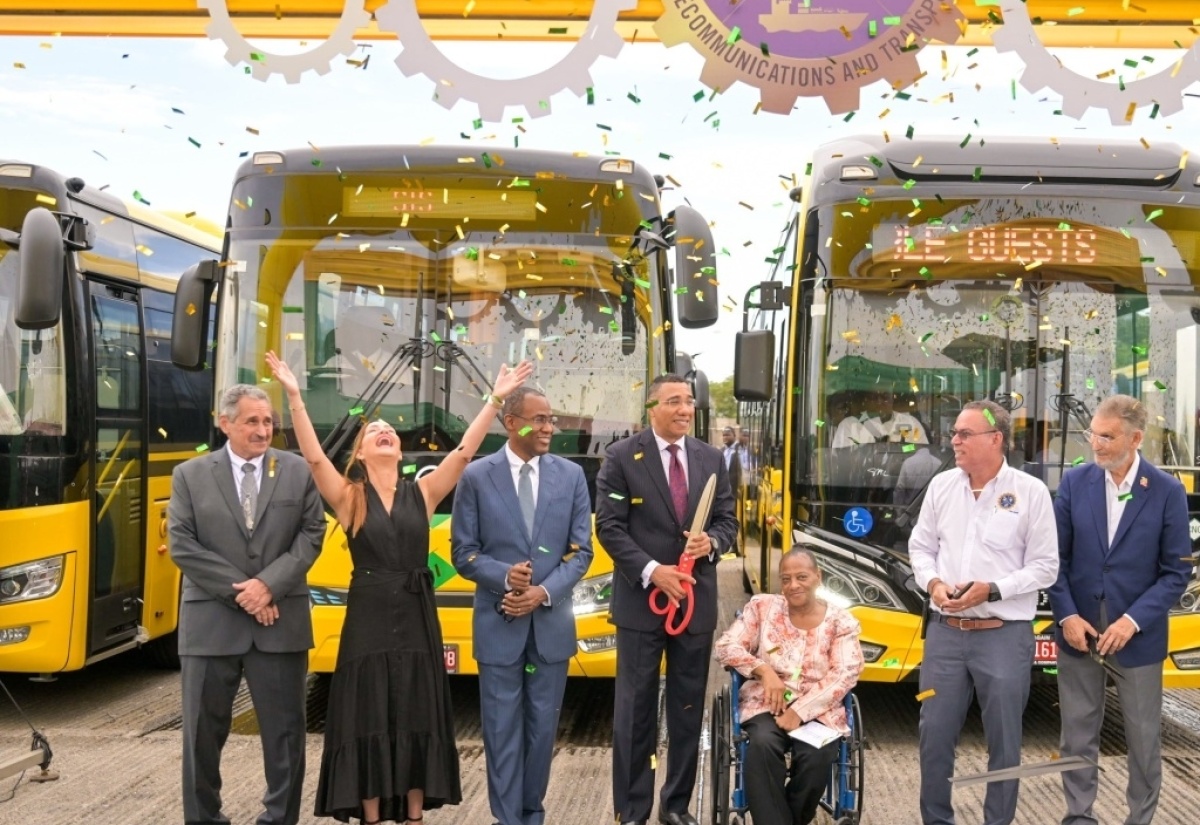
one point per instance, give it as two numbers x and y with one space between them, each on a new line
271 468
1144 481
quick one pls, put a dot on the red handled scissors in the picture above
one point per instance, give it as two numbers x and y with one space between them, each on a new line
671 610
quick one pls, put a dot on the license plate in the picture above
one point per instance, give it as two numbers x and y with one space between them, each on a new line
1045 650
450 652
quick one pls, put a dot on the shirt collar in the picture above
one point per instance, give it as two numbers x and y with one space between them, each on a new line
663 443
515 461
238 461
966 479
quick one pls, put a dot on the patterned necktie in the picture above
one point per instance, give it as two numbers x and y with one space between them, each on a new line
249 495
678 483
525 497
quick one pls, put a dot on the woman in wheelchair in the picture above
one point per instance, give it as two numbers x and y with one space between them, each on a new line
801 657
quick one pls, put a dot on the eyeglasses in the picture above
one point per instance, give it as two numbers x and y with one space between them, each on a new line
539 420
965 434
1105 440
678 402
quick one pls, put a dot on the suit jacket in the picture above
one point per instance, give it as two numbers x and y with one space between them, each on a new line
213 549
488 537
636 524
1141 573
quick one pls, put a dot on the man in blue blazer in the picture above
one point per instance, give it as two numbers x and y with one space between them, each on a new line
522 532
1122 536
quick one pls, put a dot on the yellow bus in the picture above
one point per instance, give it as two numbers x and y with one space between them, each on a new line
93 417
394 280
1042 274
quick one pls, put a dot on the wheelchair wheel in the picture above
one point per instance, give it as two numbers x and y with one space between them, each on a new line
720 736
855 768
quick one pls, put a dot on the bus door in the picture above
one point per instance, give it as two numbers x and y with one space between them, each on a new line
118 467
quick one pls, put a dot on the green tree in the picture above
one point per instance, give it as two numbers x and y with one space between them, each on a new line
724 405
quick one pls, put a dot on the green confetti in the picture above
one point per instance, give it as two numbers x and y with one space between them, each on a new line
909 448
1125 497
788 696
991 419
1155 214
891 663
633 97
531 668
616 496
1064 225
1139 350
698 96
926 337
734 36
763 48
820 422
1077 461
137 196
487 160
664 156
558 30
925 273
1160 385
910 183
591 96
526 430
437 339
355 411
202 448
291 309
872 28
569 262
317 162
194 142
652 403
891 21
681 290
543 549
1051 671
408 469
1090 383
472 253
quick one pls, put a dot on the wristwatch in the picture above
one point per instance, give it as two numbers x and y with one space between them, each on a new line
993 592
713 541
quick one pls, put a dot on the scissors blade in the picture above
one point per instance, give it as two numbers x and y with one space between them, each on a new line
705 505
1108 666
1067 763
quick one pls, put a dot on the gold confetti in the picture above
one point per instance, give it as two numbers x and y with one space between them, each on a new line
926 694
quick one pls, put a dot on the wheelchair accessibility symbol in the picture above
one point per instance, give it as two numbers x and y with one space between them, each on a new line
858 522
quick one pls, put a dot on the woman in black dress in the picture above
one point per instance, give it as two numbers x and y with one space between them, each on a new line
389 732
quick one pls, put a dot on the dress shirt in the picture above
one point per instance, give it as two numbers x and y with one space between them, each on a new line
730 452
514 465
237 462
819 666
1113 493
515 462
1007 536
665 455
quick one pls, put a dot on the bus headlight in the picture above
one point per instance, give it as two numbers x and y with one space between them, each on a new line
32 580
846 586
592 595
1189 602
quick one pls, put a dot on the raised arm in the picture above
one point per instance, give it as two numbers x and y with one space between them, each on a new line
438 484
330 482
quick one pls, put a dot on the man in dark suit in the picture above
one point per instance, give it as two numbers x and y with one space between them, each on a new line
522 531
246 524
646 496
1122 534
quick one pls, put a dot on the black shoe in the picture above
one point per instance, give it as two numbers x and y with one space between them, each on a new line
671 818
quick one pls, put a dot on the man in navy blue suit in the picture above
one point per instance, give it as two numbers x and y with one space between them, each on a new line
522 531
1122 536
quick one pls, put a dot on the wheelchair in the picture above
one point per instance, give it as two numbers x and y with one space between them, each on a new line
843 798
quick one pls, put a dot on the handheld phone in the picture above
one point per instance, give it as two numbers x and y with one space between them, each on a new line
962 591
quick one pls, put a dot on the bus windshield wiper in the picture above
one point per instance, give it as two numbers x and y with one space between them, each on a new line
1067 405
452 353
369 401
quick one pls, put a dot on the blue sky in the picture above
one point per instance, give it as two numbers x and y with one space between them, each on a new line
103 109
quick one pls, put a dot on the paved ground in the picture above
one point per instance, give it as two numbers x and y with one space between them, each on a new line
114 731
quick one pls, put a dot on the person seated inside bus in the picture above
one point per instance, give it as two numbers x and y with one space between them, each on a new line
800 656
889 424
849 410
915 473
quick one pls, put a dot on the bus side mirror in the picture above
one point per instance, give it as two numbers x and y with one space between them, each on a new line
189 328
695 270
754 365
41 275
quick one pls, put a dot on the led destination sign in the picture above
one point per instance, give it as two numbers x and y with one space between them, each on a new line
1048 243
439 202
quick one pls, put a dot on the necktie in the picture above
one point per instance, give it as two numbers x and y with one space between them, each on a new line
249 495
525 497
678 484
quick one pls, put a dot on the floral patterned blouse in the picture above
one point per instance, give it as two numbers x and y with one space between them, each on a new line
819 666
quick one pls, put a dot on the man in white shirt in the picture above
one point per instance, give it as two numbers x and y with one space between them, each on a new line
983 546
891 425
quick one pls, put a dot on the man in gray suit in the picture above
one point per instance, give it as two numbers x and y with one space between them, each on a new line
522 532
246 524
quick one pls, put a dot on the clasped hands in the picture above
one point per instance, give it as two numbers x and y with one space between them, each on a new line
775 694
524 597
255 598
669 579
1077 630
943 595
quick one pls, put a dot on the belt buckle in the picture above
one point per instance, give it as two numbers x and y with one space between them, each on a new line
966 624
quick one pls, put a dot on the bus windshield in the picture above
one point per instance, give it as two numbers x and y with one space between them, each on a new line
32 378
398 299
1044 305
